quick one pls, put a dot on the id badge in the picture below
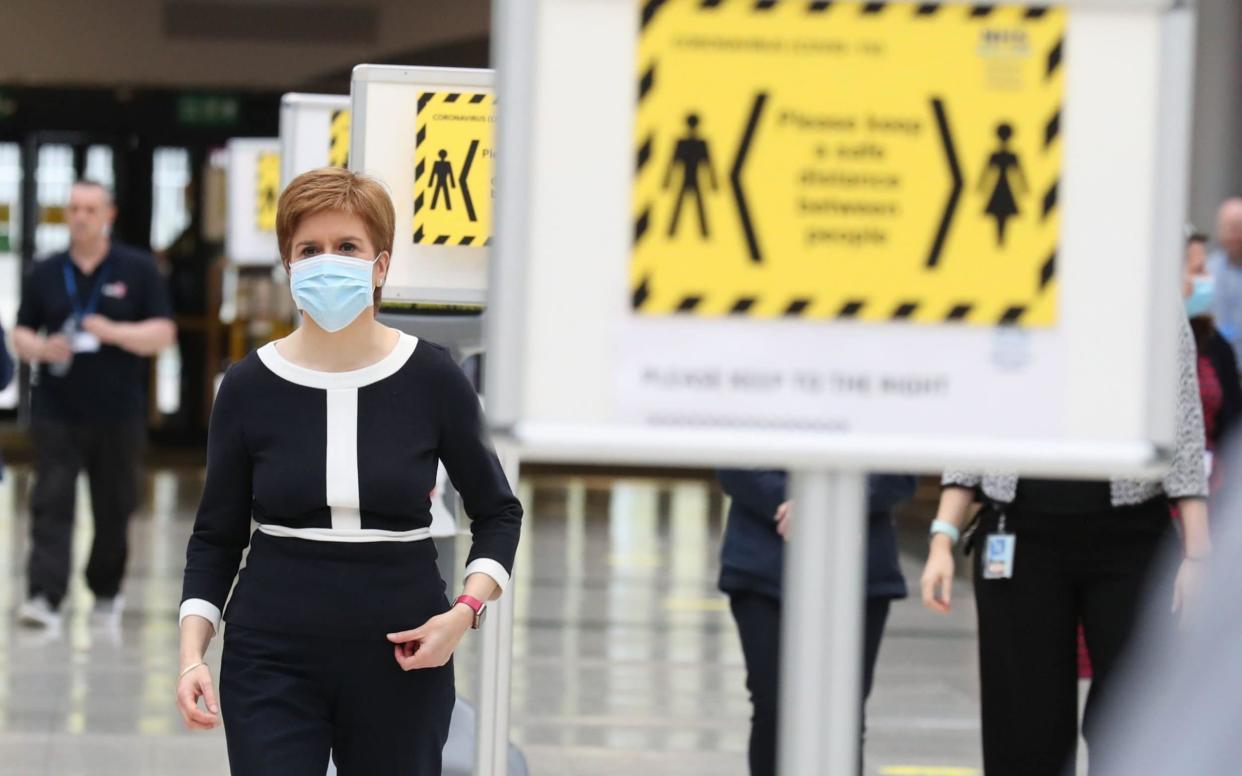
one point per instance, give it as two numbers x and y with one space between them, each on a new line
998 556
84 342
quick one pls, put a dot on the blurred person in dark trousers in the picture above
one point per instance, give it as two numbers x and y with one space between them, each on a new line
90 317
752 563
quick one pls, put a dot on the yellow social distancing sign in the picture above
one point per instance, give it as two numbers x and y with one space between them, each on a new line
454 157
267 190
848 160
338 139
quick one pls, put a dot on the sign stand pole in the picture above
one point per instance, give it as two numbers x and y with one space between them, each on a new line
821 653
491 754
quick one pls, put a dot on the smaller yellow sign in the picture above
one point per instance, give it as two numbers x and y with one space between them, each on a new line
338 139
267 190
454 158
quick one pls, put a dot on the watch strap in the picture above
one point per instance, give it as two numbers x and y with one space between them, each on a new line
475 605
948 529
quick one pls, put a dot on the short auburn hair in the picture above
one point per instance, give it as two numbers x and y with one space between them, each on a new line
346 191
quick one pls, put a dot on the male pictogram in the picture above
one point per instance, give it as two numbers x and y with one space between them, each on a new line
692 153
442 180
1002 205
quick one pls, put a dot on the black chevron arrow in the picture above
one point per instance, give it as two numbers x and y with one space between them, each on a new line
950 153
735 178
465 179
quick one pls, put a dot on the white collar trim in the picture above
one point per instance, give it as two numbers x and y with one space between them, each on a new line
354 378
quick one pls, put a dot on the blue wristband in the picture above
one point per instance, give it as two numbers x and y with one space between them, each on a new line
949 530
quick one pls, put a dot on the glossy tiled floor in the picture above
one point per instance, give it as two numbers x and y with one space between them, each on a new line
626 659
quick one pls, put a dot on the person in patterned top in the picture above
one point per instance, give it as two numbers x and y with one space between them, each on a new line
1078 551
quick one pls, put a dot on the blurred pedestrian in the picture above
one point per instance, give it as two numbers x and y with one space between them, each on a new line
89 318
752 563
6 376
1225 264
1178 705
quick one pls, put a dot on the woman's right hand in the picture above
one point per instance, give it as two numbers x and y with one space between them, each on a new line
937 580
194 685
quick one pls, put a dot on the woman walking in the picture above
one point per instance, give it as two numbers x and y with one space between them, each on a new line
1051 554
340 636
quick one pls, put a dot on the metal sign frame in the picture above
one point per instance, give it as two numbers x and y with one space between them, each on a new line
305 124
582 306
1124 191
382 142
244 243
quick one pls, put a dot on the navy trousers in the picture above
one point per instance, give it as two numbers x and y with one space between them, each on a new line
759 625
110 453
288 700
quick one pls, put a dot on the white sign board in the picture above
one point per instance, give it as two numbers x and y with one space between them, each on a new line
427 133
253 190
960 250
314 133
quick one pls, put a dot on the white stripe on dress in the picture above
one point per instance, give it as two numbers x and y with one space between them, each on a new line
341 473
348 536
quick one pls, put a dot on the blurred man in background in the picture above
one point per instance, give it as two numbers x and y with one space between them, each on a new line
1226 266
89 319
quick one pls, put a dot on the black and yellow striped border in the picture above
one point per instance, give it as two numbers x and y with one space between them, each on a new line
267 190
853 309
338 139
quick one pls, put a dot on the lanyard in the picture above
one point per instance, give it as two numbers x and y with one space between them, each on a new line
71 285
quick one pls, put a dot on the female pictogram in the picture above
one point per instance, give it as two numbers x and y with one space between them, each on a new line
1002 205
692 153
442 180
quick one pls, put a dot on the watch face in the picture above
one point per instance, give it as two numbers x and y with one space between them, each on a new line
480 616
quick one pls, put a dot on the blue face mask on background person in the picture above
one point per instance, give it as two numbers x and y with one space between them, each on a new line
1202 292
332 289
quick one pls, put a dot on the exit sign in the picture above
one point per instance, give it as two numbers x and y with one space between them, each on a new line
208 110
8 105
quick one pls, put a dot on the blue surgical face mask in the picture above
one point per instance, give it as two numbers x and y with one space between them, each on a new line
332 289
1202 292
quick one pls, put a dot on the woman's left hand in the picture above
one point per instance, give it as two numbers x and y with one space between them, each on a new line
432 644
1186 586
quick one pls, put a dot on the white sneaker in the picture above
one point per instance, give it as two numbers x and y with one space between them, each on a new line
108 609
38 613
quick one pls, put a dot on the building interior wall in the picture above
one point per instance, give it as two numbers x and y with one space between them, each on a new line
1216 164
234 44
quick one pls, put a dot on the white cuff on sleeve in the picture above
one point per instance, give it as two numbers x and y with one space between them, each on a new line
202 608
492 569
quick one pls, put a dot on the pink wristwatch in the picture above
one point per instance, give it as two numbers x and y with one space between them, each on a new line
476 606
